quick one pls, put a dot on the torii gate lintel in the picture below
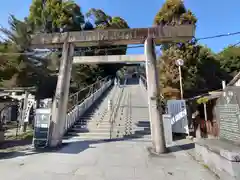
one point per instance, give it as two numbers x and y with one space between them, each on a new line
160 34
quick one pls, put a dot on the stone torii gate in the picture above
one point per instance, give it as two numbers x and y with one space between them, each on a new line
69 40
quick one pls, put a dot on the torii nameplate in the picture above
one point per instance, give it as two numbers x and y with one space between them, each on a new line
115 36
111 59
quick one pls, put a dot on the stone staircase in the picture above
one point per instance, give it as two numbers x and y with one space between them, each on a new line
94 125
132 120
128 118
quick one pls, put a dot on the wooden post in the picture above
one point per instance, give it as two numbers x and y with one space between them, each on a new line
205 111
155 111
223 85
24 112
59 107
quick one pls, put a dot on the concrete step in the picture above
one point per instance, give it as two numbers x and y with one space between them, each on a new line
84 138
92 119
90 130
89 133
85 119
91 126
132 127
88 136
100 113
84 122
101 123
97 125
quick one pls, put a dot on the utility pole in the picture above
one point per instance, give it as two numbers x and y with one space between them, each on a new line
155 110
180 63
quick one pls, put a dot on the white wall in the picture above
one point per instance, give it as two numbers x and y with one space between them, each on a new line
237 83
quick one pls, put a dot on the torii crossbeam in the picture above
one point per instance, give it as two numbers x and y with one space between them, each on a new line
115 36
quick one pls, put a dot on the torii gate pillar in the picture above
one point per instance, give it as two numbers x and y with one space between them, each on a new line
60 101
155 111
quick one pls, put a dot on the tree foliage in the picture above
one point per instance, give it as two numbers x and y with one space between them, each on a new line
56 16
201 71
23 69
103 21
230 59
174 12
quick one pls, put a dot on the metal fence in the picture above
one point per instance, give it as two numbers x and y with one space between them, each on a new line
82 104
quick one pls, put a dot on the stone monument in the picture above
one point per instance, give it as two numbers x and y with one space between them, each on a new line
222 155
228 115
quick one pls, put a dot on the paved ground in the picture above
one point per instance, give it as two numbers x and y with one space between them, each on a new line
126 159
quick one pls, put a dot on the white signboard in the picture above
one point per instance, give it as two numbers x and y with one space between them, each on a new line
177 109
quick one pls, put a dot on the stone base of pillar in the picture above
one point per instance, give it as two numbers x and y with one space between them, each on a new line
152 151
55 137
54 143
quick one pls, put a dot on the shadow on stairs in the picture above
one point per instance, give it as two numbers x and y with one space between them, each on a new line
80 129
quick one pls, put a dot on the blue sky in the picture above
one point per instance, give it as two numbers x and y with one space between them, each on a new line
214 16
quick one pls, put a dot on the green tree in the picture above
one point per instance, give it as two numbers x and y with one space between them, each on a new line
55 16
9 66
84 74
201 71
103 21
174 12
29 70
230 59
58 16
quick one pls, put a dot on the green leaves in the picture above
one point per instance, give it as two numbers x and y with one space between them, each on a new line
202 100
201 71
55 15
174 12
100 19
230 59
18 34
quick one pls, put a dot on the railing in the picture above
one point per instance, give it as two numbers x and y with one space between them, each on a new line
143 82
78 97
115 110
78 104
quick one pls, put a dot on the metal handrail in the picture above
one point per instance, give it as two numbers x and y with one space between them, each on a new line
78 110
144 81
89 86
92 89
114 111
113 115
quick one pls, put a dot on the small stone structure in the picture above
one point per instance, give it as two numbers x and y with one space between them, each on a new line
222 155
1 136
